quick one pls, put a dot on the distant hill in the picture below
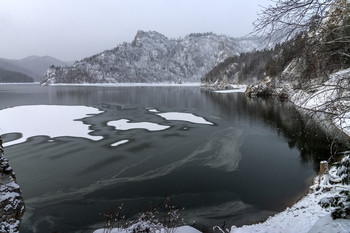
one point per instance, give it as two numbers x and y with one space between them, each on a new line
33 66
7 76
153 58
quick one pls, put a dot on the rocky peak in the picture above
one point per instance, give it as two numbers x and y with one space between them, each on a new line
150 58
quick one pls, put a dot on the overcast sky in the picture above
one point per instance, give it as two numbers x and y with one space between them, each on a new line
73 29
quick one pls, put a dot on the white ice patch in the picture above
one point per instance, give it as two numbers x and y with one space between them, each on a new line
123 124
179 116
121 142
238 90
153 110
48 120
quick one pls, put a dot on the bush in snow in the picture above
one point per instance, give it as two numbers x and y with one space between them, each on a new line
153 220
340 203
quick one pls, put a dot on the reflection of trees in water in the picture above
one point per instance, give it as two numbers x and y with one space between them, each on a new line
298 128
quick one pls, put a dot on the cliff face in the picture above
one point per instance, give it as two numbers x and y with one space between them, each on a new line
11 202
152 58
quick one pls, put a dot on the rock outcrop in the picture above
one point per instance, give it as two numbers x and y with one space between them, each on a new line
153 58
11 202
267 88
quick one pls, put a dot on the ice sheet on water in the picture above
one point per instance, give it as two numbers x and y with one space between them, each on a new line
180 116
118 143
48 120
124 124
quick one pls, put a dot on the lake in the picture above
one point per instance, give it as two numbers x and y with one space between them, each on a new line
223 157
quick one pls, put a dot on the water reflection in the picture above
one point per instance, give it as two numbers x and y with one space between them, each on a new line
297 127
250 163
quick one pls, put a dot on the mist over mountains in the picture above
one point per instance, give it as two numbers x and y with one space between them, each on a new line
33 66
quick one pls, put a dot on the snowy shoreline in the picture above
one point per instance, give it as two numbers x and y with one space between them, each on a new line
126 84
306 215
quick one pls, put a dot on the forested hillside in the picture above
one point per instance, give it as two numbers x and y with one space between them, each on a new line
14 77
309 57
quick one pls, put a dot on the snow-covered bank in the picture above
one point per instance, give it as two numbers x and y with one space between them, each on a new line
307 216
11 202
332 97
183 229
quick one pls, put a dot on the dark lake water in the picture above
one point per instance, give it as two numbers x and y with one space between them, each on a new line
256 158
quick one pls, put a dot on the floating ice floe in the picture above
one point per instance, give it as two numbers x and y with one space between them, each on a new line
235 90
123 124
118 143
153 110
47 120
180 116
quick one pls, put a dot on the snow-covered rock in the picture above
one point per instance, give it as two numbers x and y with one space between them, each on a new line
11 202
153 58
267 88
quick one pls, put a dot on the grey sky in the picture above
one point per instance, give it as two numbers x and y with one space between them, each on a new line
74 29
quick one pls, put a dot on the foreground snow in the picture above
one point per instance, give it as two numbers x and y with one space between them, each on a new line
11 201
183 229
306 216
233 89
49 120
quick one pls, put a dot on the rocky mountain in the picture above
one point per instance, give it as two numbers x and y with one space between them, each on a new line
11 201
33 66
153 58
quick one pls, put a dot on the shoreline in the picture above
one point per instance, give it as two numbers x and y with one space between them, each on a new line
126 84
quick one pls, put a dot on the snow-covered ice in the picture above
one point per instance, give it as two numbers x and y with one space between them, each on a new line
118 143
124 124
48 120
180 116
153 110
241 90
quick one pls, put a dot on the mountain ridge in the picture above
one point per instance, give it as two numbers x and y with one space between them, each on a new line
153 58
32 66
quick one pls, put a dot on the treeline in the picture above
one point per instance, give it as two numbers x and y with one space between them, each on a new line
314 55
243 68
7 76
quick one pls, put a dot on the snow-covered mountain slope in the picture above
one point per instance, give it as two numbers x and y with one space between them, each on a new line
153 58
